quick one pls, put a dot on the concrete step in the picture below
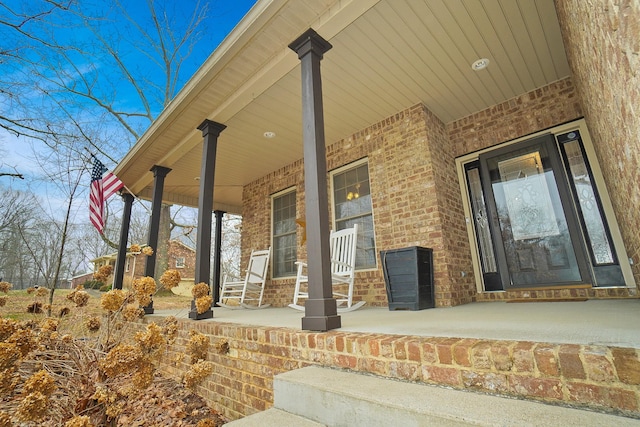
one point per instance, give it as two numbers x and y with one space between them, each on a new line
338 398
274 417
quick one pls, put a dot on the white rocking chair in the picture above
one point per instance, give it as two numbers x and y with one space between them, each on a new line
249 289
343 267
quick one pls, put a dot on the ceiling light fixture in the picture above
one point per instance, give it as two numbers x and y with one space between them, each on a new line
480 64
269 134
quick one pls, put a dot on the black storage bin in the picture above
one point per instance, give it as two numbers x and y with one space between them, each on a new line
408 275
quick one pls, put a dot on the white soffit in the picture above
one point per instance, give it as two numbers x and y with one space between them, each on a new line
387 55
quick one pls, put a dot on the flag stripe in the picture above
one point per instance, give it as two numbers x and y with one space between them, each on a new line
110 184
96 205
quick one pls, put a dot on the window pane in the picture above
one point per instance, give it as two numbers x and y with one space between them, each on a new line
476 194
284 255
284 235
352 198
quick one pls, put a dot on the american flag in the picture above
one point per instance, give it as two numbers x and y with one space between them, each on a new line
102 187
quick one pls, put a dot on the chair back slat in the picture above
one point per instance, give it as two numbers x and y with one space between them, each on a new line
343 251
342 245
258 265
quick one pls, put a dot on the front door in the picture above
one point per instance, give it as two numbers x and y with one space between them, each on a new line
535 230
538 216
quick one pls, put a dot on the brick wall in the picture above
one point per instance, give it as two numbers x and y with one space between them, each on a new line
415 194
530 112
76 281
256 224
177 250
602 41
598 377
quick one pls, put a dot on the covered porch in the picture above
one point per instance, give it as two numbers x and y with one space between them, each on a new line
403 102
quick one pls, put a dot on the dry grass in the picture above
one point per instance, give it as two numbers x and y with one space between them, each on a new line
18 301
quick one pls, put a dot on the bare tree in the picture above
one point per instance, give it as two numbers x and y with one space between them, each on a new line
14 175
18 37
66 170
72 74
85 57
17 208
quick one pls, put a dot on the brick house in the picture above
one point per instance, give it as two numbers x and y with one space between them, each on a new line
521 176
75 281
181 258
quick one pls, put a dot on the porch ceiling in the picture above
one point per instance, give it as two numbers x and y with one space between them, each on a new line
387 55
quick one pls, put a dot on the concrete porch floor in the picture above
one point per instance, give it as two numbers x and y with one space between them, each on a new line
593 322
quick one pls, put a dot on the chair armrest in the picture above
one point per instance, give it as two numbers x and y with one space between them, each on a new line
301 267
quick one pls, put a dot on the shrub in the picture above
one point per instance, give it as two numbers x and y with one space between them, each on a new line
93 284
105 288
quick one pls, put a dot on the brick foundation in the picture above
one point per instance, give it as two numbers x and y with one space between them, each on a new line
558 294
587 376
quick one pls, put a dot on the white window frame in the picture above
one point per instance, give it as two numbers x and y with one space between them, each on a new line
180 264
362 229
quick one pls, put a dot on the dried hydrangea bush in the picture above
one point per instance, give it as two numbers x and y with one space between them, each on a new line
144 288
103 273
170 279
202 298
5 287
197 349
50 377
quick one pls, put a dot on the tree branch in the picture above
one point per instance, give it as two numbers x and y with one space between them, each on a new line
15 175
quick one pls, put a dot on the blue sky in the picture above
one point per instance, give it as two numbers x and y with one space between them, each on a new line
221 19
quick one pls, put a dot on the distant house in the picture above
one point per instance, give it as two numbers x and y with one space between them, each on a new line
79 279
181 258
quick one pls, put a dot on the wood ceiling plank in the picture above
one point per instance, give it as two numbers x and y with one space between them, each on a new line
502 26
402 74
510 82
522 38
536 35
463 53
478 48
553 37
421 21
